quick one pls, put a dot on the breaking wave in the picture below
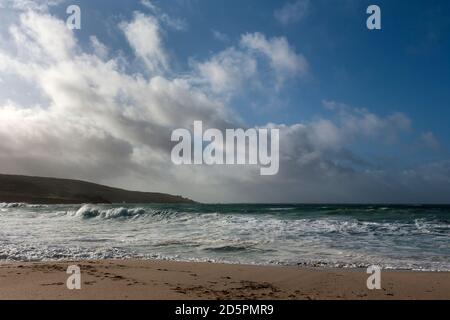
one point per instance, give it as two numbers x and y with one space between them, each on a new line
89 211
4 205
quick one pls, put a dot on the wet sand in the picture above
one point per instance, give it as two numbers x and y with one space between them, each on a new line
135 279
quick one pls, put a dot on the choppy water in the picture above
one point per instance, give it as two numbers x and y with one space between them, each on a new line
400 237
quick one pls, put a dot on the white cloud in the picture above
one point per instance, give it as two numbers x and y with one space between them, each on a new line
220 36
173 23
293 11
148 4
100 49
39 36
284 60
144 36
228 71
24 5
361 122
98 121
429 140
240 69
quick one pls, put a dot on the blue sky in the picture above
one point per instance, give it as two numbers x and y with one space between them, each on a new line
406 63
404 67
383 93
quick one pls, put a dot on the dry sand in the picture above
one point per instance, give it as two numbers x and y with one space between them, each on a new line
132 279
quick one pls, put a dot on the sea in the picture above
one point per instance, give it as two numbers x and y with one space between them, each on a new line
406 237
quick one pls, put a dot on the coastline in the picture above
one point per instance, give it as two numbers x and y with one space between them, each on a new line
167 280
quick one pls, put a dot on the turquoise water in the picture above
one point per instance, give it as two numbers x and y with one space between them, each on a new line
399 237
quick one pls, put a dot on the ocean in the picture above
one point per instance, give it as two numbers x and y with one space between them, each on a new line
344 236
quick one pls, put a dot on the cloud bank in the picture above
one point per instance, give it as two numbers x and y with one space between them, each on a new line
88 118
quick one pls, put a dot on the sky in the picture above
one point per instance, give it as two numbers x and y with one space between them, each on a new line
363 114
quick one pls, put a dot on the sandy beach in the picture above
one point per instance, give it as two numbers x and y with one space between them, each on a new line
136 279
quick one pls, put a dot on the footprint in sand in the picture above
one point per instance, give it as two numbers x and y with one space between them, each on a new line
53 284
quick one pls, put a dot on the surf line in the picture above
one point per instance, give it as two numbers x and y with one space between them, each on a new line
238 147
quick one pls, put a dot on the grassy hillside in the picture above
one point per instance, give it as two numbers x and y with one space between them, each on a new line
39 190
